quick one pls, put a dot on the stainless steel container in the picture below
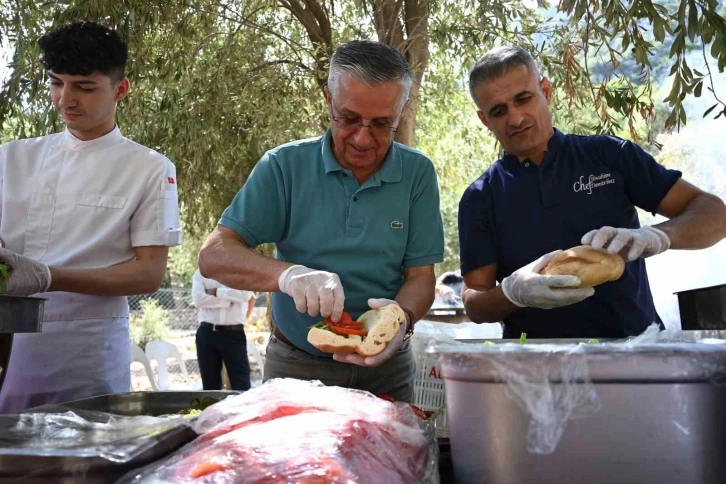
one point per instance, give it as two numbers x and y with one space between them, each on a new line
629 414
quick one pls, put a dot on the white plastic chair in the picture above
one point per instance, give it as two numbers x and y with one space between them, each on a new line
138 355
160 351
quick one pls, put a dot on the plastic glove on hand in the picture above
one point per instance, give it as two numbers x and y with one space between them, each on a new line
629 243
392 347
526 287
27 276
314 292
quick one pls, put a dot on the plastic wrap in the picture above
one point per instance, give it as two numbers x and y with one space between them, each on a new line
81 434
555 383
297 431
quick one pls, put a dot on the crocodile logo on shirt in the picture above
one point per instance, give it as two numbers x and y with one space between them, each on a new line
396 225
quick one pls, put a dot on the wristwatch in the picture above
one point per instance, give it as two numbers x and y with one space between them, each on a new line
409 319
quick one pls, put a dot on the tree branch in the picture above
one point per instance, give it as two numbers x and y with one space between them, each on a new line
387 22
710 76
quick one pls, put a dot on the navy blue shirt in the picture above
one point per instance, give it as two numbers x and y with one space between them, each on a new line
517 212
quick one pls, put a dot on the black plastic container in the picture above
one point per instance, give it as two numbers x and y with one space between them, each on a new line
703 308
21 314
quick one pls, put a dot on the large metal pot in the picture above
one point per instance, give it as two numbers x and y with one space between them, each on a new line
645 414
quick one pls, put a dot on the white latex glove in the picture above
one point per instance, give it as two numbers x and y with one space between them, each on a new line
27 276
391 348
630 243
314 292
525 287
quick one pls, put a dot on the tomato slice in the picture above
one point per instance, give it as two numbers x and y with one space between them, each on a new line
345 319
346 330
345 322
387 397
346 325
418 412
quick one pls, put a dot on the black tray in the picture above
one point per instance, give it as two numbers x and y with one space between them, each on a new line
16 467
132 404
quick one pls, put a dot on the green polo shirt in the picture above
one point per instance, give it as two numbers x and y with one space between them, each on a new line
316 214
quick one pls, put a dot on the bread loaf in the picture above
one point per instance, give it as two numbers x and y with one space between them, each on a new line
592 266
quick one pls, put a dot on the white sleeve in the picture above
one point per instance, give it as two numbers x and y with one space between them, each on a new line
201 299
156 220
233 295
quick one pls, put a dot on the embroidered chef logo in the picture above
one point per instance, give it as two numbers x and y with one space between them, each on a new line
587 185
396 225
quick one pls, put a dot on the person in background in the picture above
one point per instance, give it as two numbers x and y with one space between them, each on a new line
552 191
350 209
221 337
87 217
448 288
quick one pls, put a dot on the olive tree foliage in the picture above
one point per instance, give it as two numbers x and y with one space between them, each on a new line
216 83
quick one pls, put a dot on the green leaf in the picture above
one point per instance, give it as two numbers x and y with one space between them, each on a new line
692 20
671 120
676 46
697 90
709 110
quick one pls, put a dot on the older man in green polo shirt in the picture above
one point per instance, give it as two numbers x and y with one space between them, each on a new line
355 220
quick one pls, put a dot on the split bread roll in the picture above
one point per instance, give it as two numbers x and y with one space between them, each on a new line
592 266
381 326
330 342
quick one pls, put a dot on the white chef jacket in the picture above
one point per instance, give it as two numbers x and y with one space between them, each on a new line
227 308
80 204
85 204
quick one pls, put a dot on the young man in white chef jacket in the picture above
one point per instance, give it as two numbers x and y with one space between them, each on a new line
87 217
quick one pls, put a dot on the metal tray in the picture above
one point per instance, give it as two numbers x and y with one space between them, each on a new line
66 468
132 404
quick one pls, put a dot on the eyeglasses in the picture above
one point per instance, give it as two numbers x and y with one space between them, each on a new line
354 124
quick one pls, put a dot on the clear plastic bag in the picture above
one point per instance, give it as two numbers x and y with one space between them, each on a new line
81 433
298 431
555 383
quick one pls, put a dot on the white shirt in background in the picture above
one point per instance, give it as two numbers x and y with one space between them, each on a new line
228 307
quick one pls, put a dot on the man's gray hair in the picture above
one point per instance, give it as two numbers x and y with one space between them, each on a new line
369 63
498 62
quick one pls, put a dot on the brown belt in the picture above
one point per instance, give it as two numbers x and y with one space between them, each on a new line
278 334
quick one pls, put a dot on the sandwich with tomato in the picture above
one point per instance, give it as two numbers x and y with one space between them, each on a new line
367 336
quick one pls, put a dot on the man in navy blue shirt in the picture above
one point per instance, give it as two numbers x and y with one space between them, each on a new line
552 191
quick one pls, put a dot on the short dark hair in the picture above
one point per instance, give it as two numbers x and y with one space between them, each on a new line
82 48
450 277
370 63
497 62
